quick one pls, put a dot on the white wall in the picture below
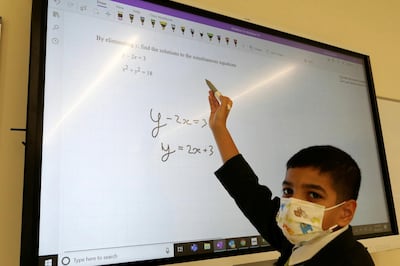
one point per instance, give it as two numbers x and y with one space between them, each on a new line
369 27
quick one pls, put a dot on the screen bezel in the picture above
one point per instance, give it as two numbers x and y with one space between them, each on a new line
33 155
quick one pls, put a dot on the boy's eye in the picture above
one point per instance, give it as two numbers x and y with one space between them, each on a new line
287 192
314 195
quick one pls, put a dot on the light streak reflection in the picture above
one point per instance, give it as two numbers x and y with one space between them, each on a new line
103 74
264 82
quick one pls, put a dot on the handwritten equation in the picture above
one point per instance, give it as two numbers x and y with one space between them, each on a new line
188 149
160 122
176 119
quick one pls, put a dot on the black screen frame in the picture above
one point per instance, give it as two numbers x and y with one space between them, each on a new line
34 125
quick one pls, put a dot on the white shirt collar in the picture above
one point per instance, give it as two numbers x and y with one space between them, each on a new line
308 250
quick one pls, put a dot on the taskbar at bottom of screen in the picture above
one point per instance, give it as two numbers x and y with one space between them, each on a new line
218 245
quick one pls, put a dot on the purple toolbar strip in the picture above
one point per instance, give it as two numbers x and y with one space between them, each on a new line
234 28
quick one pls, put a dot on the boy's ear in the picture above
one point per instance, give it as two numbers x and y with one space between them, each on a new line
347 212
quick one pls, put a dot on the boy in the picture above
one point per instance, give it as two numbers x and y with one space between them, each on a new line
310 224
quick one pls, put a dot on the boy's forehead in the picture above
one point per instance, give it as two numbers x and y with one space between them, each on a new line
308 175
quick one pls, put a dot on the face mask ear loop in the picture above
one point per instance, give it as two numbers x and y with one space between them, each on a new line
335 227
335 206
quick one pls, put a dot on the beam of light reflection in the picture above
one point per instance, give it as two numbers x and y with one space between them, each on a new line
104 73
281 73
264 82
260 84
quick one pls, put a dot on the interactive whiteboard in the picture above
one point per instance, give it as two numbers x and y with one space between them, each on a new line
126 153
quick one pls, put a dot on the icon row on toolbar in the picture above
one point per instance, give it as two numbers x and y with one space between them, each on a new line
165 25
211 246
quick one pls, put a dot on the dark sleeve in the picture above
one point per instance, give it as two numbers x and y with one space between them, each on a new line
360 256
253 199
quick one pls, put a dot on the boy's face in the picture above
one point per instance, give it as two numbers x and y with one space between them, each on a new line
307 183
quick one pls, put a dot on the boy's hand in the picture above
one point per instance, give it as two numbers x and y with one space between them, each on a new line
218 111
218 115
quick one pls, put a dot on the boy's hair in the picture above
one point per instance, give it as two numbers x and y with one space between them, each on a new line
343 169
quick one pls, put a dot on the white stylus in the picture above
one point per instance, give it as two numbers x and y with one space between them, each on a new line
217 94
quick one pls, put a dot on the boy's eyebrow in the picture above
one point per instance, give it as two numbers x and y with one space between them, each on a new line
309 186
314 187
287 183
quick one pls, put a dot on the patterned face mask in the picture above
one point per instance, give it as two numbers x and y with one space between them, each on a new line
301 221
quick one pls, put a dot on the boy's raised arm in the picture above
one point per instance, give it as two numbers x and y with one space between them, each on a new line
218 116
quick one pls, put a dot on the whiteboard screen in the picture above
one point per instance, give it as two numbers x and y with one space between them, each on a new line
127 156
